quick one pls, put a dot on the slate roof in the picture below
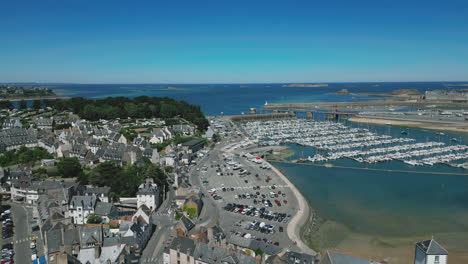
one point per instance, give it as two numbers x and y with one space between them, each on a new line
97 190
189 225
183 244
431 247
71 237
87 202
216 255
104 209
291 257
54 239
254 244
90 235
339 258
148 189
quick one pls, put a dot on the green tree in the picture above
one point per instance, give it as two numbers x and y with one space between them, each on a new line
94 219
106 174
216 137
69 167
22 105
258 252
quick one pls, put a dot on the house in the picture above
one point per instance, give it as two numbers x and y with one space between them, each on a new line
183 250
291 257
61 239
180 251
157 137
140 230
148 194
11 123
44 123
186 130
193 145
185 159
169 160
81 207
430 252
106 211
152 155
185 225
251 244
332 257
209 133
101 193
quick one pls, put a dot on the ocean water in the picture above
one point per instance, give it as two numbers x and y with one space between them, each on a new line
376 203
236 98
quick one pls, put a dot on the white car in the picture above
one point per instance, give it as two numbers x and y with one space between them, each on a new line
33 257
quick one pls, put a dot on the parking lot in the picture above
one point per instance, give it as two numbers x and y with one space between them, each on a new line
253 201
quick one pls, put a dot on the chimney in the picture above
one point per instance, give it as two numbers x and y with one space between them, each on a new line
97 251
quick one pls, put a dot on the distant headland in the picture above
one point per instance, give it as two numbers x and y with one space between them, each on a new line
306 85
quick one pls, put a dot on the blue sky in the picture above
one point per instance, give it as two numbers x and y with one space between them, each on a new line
176 41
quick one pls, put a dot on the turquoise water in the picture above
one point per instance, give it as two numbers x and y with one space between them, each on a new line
384 203
387 203
236 98
376 203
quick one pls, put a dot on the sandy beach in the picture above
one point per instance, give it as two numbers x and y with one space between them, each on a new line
418 124
300 218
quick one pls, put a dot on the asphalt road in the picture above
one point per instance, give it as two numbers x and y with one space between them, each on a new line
22 236
163 218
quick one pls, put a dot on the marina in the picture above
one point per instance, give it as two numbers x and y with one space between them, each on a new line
333 140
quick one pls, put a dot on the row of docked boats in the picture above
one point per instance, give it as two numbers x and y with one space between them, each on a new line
334 140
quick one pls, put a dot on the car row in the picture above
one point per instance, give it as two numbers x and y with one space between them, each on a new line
249 236
7 253
7 224
262 213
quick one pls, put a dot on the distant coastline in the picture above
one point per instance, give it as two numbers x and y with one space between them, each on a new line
170 88
407 93
306 85
16 99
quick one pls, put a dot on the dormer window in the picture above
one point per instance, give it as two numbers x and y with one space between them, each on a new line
436 260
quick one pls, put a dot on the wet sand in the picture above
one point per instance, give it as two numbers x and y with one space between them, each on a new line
401 250
419 124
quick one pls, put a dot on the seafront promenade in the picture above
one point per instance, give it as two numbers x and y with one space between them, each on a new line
301 216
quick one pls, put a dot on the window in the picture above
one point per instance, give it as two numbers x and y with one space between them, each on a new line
436 260
178 255
188 258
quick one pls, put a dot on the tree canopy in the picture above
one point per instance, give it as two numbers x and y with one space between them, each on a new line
69 167
24 156
124 181
139 107
94 219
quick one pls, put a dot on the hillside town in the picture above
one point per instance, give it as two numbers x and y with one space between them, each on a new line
139 190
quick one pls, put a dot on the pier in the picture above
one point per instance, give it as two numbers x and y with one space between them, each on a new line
309 113
254 116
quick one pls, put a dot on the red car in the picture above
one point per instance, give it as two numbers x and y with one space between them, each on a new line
285 201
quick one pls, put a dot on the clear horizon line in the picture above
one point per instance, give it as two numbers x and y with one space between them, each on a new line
229 83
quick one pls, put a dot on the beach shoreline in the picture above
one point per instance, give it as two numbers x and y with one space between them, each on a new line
300 219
